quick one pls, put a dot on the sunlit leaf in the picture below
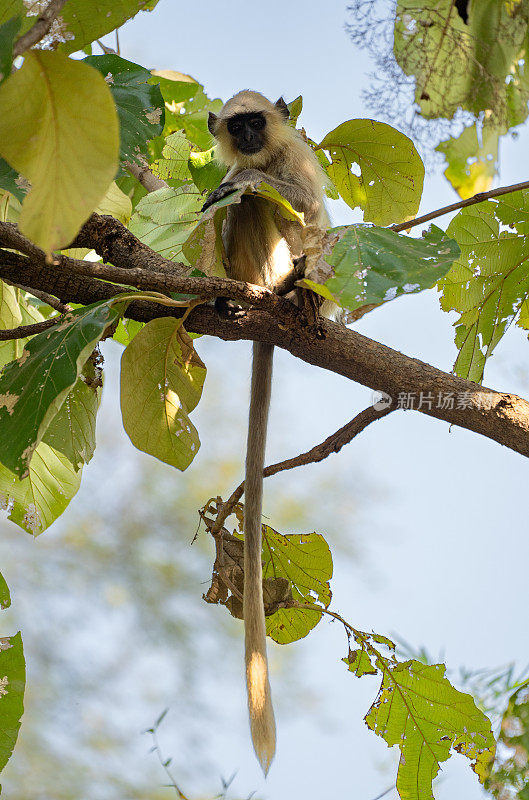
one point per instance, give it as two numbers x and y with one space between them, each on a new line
207 173
421 712
10 349
12 181
116 203
489 283
174 163
359 663
161 383
377 168
33 388
164 219
37 500
471 164
84 22
139 104
66 143
306 562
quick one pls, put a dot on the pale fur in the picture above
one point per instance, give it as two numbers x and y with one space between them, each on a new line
261 245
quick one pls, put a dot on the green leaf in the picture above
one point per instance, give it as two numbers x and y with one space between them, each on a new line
471 165
161 383
33 389
295 108
116 203
359 663
66 143
174 163
5 597
8 32
305 561
387 181
84 22
489 283
192 115
205 170
164 219
72 430
24 314
421 712
176 87
12 685
11 8
510 774
127 330
12 181
40 498
374 265
139 104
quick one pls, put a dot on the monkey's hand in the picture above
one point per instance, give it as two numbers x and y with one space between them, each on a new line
219 193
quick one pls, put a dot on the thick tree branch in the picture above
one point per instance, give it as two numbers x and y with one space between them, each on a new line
28 330
40 28
470 201
499 416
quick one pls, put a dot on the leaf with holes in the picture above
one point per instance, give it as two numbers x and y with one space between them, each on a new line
305 561
161 383
37 500
12 685
82 22
33 388
377 168
489 284
375 265
139 104
420 711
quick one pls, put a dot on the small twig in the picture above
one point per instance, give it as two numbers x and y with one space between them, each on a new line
28 330
333 444
49 299
470 201
108 51
143 173
39 29
165 766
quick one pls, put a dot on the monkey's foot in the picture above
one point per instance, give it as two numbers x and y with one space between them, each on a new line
227 309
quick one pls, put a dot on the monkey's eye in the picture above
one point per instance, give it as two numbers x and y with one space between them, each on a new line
257 123
234 126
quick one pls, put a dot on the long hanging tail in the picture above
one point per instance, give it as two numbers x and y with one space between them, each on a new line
262 722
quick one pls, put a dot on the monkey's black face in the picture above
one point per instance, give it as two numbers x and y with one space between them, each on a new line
248 132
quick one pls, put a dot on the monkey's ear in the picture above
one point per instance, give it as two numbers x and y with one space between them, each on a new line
212 122
283 108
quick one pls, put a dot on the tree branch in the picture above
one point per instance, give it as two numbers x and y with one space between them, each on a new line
28 330
333 444
470 201
499 416
142 172
40 28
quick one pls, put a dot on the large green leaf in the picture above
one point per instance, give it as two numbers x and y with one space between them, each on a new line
161 383
206 171
489 283
11 8
8 31
388 187
305 561
33 388
191 114
59 128
421 712
12 685
164 219
40 498
72 430
84 22
139 104
374 265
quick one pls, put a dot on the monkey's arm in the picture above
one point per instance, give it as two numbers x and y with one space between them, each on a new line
298 197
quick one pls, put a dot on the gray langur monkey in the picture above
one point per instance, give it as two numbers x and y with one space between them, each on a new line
256 143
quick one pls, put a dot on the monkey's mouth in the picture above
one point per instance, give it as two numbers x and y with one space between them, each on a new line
249 149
